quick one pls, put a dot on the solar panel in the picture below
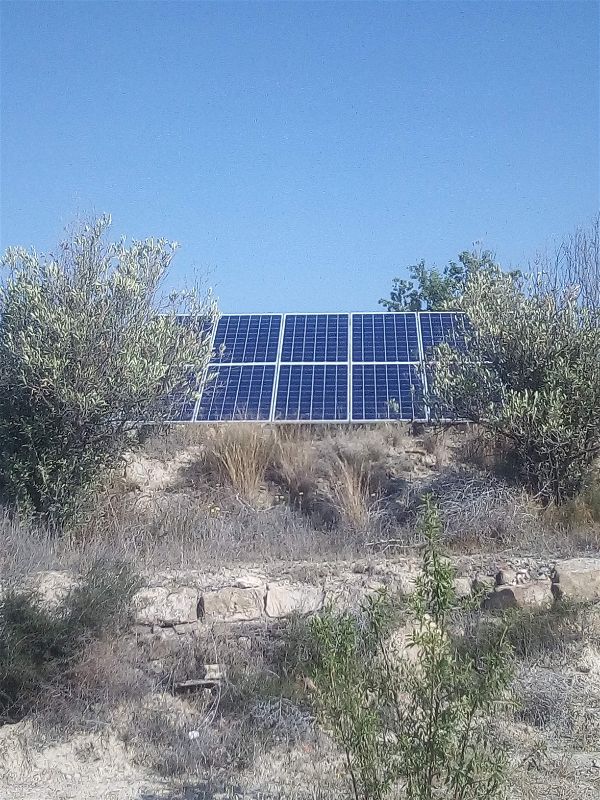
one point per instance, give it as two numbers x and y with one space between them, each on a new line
387 391
312 392
241 392
182 403
246 338
315 337
320 367
439 327
385 337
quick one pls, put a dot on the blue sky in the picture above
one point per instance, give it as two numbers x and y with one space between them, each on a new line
303 154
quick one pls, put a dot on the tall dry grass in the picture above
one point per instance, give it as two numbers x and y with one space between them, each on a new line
240 455
348 490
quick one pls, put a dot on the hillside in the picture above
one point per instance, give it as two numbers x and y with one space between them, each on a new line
235 536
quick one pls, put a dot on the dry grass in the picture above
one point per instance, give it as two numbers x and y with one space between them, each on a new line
348 491
240 455
176 534
479 511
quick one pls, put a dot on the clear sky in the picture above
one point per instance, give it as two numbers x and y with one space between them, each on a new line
302 153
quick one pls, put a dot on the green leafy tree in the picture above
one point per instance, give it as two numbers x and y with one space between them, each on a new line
530 374
419 724
87 346
436 290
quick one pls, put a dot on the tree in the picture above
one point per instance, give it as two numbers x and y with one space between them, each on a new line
530 374
435 290
419 723
574 263
88 345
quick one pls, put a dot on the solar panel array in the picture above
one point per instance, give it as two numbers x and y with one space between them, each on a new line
319 367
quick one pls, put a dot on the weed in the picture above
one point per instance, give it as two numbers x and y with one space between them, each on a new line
415 721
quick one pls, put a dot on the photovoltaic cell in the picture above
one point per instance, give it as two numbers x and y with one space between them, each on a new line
315 337
241 392
312 392
387 391
385 337
439 327
246 338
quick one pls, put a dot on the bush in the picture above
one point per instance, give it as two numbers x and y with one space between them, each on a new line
39 647
418 721
84 352
530 373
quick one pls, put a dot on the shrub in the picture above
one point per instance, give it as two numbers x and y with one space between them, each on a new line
530 373
418 722
477 509
39 647
84 352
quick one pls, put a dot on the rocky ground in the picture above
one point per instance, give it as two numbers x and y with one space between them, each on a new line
194 697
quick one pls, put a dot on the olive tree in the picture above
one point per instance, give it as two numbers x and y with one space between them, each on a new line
529 373
89 345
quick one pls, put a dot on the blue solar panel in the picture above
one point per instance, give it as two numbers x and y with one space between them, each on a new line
307 359
312 392
387 391
238 392
315 337
181 403
246 338
442 326
385 337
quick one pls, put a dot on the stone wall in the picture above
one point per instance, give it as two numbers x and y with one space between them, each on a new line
186 601
193 599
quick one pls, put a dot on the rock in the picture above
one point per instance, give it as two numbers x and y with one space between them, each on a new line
577 579
159 605
285 598
462 587
232 604
398 646
250 582
373 586
506 577
162 645
537 594
52 588
186 628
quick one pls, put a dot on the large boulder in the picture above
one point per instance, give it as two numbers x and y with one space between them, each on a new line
284 599
232 604
160 605
577 579
534 595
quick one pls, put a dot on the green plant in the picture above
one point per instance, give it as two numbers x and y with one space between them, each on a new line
416 718
87 347
40 646
530 374
435 290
